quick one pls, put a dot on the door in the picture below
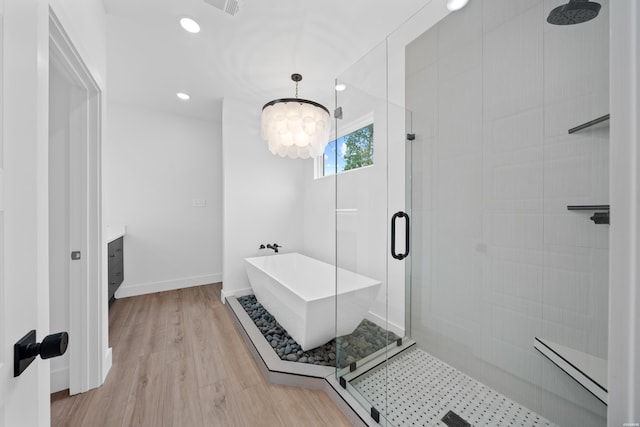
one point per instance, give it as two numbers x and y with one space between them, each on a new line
24 299
371 231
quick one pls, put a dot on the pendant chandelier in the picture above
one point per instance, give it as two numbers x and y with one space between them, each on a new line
294 127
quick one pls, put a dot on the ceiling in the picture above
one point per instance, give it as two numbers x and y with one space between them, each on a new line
247 56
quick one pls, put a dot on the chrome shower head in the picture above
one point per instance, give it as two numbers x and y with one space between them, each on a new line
574 12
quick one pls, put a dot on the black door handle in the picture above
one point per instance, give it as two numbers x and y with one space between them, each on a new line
26 349
393 236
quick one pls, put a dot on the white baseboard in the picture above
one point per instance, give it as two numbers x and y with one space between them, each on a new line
107 362
384 324
59 379
167 285
224 294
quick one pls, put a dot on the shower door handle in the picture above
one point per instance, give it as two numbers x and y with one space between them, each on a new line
393 236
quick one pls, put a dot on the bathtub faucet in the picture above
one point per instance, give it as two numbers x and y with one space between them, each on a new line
275 247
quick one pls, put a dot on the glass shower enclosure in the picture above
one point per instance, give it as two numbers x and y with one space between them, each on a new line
483 221
372 228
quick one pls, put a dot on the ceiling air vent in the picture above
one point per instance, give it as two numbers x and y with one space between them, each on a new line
232 7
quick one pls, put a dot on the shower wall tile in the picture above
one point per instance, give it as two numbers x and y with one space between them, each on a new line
422 52
598 303
599 164
460 113
423 153
457 178
567 403
516 282
567 289
496 13
456 34
562 231
453 64
567 172
516 185
562 326
517 230
520 390
514 327
512 67
517 361
422 273
424 106
518 131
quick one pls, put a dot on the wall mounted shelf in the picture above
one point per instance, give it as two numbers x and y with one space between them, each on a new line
589 371
590 123
600 212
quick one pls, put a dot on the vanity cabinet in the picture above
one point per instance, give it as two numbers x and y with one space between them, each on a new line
116 266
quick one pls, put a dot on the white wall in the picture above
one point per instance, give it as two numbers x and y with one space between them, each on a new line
319 216
262 194
624 274
155 164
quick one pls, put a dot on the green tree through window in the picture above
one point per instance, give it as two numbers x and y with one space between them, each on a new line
359 150
351 151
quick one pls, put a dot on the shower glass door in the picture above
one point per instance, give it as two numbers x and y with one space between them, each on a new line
358 157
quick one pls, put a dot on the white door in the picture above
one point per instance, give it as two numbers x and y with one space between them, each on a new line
24 299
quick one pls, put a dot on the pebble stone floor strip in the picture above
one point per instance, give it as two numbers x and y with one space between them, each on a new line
422 389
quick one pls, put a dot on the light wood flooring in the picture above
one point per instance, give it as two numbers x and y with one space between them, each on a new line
179 361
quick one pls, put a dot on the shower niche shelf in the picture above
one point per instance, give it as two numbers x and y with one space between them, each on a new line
588 124
589 371
600 212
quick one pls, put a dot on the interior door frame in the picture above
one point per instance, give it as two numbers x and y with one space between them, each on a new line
89 358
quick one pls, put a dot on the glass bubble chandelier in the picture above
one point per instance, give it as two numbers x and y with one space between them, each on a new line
294 127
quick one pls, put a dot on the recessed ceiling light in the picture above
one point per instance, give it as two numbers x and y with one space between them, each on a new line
183 96
454 5
190 25
340 87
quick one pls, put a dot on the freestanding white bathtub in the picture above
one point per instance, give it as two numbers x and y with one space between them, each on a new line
300 292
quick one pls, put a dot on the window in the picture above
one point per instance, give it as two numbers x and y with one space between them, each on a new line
351 151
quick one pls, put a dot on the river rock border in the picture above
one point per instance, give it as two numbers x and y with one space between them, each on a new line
366 339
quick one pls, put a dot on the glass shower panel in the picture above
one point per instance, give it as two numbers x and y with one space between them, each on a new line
503 275
359 158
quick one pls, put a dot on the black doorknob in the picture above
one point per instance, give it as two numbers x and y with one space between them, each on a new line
26 349
51 346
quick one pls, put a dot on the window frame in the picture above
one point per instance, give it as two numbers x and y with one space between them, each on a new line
350 127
